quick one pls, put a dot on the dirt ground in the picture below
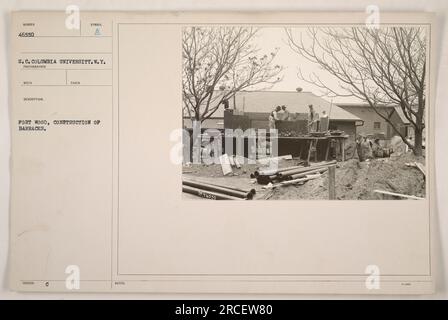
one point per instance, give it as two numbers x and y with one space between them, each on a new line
354 180
239 179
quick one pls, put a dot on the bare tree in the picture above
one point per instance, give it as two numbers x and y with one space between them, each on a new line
385 66
217 63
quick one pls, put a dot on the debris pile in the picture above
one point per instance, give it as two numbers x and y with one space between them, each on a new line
359 180
399 177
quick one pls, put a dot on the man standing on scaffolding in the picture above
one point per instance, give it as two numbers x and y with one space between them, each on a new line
313 118
273 117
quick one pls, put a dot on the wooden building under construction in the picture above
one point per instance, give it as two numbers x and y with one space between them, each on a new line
251 110
261 103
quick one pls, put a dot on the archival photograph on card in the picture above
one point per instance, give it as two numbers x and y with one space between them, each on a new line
303 113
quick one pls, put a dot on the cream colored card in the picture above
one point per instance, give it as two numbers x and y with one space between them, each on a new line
97 199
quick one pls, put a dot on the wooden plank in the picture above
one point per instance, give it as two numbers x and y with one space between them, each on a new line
417 165
308 177
266 161
327 152
286 183
313 138
398 195
332 182
237 162
225 164
232 163
310 146
307 173
421 167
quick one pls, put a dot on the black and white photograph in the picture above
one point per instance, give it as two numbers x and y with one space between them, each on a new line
304 112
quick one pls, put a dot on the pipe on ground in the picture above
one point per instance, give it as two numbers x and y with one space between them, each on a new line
270 172
208 194
304 174
218 189
253 191
304 169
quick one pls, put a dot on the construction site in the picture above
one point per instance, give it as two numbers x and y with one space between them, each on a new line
304 160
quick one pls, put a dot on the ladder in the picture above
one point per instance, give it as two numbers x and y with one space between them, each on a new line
312 149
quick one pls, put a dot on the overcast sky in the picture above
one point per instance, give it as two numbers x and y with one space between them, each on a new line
268 39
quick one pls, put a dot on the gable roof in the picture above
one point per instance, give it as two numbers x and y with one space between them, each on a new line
295 102
400 113
398 110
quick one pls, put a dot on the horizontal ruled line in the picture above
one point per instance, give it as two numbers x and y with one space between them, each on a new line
69 69
66 85
55 52
75 36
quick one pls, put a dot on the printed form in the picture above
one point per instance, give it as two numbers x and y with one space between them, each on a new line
62 84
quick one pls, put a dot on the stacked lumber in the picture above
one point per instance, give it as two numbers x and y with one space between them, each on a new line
294 174
214 191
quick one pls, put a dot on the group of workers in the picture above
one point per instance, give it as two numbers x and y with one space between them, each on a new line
314 120
371 147
279 113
